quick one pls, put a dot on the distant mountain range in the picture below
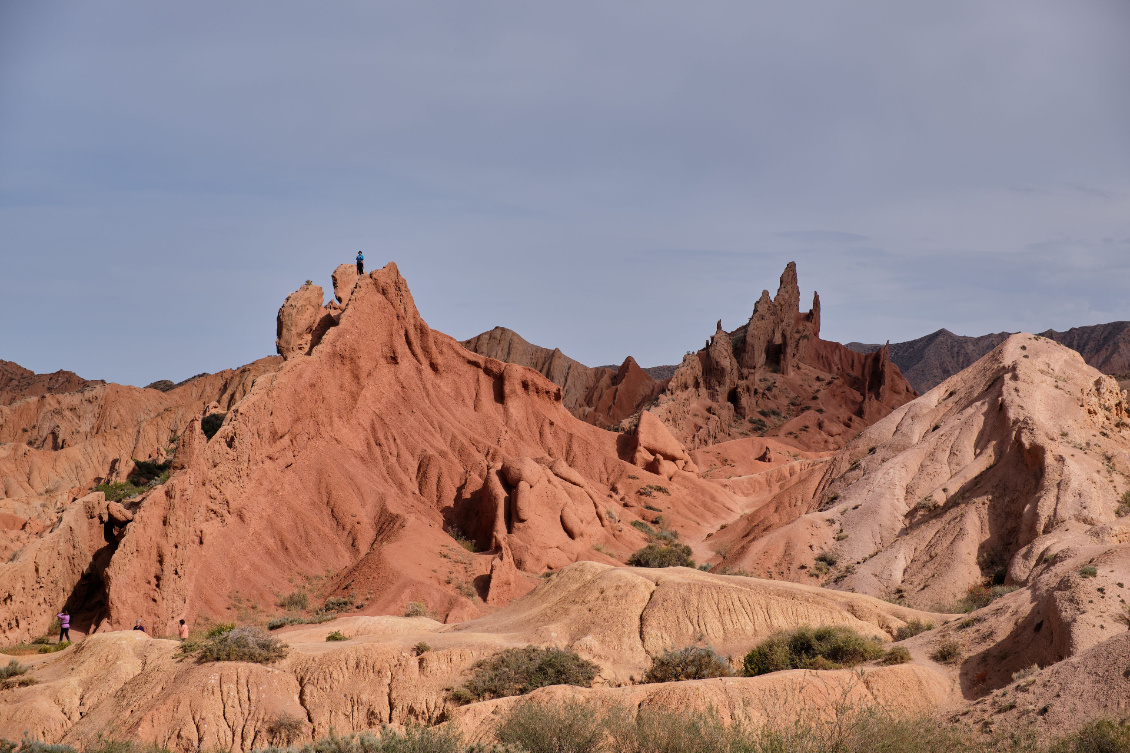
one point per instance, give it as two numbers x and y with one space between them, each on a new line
934 358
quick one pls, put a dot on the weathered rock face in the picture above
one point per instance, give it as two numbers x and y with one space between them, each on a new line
364 456
302 321
774 376
596 395
17 383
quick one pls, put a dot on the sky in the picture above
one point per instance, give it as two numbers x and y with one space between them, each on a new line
609 178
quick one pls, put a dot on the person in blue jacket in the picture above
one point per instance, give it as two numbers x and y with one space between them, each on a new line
360 263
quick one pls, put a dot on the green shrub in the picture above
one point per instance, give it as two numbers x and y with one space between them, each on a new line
980 596
13 669
317 619
1101 736
421 648
948 651
691 663
238 644
570 727
642 526
220 629
828 558
285 728
912 628
337 604
337 635
1090 571
120 490
897 655
14 676
812 648
416 609
517 671
662 555
295 601
53 647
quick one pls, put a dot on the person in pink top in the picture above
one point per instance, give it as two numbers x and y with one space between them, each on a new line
183 631
64 626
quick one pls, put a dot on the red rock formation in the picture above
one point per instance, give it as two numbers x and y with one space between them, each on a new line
17 383
598 395
363 457
774 376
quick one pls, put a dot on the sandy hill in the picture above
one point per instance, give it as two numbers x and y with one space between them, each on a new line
126 685
939 355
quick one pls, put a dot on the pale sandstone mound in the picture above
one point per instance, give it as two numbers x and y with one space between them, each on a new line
774 376
1011 472
908 690
361 458
599 395
124 685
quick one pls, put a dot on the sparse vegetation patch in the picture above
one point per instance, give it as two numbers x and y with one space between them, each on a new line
812 648
517 671
691 663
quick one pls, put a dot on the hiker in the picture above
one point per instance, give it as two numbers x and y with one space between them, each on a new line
64 626
183 631
137 625
360 263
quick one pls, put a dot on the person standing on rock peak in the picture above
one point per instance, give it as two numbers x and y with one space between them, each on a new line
64 626
360 263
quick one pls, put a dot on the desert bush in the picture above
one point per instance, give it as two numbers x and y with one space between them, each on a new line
238 644
337 635
220 629
1101 736
691 663
336 604
51 648
828 558
570 727
897 655
642 527
280 622
811 648
912 628
13 669
119 490
421 648
517 671
416 609
1027 672
285 728
662 555
980 596
948 651
1090 571
295 601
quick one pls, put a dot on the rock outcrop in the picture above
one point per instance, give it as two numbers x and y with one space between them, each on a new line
774 376
17 383
929 360
370 455
598 395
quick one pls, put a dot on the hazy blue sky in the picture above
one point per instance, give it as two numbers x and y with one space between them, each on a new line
605 177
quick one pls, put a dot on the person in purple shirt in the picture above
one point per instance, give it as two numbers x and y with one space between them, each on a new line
64 626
